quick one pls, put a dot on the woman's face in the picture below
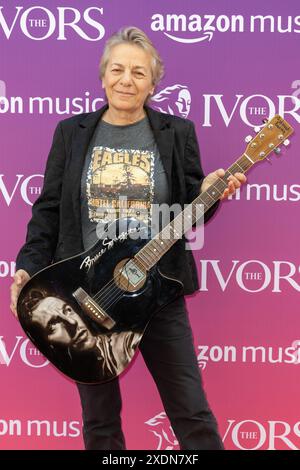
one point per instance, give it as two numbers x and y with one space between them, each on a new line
128 78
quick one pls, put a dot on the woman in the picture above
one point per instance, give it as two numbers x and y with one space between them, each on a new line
128 150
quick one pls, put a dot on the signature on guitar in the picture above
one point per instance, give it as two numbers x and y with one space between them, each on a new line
88 262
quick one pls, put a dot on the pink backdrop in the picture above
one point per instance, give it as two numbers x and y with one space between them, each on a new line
236 63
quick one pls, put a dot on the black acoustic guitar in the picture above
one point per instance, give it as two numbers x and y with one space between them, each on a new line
87 314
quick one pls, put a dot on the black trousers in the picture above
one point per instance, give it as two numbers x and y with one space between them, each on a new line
168 351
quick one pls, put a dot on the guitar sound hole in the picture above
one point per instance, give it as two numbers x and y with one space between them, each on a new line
129 276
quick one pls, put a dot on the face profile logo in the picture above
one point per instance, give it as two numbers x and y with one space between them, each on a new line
161 428
175 100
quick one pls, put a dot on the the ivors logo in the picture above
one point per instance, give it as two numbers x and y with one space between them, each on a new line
22 348
250 276
250 434
39 23
28 187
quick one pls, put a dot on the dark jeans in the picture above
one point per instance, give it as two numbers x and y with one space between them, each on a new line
168 351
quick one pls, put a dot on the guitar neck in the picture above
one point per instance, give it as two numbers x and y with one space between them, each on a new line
151 253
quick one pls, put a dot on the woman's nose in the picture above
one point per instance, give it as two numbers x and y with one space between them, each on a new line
126 77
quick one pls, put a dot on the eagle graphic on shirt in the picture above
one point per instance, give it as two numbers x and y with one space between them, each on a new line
120 183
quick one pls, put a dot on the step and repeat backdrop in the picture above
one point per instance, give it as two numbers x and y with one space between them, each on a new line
229 65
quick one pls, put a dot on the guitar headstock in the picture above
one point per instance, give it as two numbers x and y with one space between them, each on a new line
269 138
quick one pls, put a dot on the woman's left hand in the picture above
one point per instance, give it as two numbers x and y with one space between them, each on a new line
234 181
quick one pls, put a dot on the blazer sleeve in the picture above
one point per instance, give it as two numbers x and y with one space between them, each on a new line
43 228
193 170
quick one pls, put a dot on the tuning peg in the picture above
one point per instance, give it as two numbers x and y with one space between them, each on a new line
277 151
286 142
248 138
256 129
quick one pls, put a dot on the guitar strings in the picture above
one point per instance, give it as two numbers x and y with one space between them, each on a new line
108 294
112 299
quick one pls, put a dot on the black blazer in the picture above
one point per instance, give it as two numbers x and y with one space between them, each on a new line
54 231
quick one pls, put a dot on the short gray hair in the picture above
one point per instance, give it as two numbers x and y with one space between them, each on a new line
134 36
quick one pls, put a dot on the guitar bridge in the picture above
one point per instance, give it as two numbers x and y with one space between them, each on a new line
92 309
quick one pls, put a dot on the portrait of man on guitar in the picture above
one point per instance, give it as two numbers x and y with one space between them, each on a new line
75 293
71 341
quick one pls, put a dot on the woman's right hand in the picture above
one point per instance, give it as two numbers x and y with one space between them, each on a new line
20 279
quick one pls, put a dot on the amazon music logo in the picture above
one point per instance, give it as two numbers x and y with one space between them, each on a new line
26 187
197 28
268 192
251 276
249 354
39 23
49 105
296 86
2 91
250 434
39 428
12 349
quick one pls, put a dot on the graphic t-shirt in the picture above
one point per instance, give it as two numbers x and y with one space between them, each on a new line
122 177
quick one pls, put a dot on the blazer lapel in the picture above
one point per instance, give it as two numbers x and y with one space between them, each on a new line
164 137
81 140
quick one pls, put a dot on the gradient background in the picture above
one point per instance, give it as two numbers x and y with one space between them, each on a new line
252 400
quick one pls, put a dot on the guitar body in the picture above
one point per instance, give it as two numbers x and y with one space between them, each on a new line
87 314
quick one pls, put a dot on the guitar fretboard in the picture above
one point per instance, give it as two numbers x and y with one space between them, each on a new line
151 253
